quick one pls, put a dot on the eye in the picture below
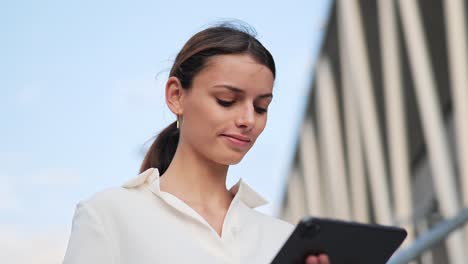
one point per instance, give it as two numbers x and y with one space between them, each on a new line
260 110
224 103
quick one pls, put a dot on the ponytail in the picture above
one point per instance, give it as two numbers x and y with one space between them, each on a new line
162 150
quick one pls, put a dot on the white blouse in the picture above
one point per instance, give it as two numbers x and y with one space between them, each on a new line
141 224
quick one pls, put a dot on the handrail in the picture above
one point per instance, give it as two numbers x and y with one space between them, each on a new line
430 238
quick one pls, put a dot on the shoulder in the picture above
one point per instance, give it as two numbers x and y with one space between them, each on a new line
271 220
107 197
124 196
268 231
113 202
268 223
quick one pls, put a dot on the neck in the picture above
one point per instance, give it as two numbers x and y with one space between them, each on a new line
196 180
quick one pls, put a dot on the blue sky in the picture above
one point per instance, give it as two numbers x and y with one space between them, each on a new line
82 91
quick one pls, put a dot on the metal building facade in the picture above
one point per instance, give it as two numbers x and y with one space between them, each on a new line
385 134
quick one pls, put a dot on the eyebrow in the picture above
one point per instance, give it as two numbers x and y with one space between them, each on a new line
240 91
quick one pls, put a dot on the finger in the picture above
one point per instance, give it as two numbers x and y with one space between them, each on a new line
312 260
323 259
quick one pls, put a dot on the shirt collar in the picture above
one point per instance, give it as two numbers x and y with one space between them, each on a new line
246 193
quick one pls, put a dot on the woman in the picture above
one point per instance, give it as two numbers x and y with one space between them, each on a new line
178 209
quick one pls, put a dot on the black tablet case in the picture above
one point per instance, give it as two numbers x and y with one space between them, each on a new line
344 242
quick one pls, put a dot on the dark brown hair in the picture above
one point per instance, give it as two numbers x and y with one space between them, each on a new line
222 39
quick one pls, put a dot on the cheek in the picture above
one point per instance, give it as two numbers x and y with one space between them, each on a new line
261 124
202 120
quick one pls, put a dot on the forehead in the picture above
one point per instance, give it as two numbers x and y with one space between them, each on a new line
237 70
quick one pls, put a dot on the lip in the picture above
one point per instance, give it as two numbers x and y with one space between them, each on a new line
237 140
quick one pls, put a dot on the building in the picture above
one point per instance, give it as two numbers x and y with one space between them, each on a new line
385 134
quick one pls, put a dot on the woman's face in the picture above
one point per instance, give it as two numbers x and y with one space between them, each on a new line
226 108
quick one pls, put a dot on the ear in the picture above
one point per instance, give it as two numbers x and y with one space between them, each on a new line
174 95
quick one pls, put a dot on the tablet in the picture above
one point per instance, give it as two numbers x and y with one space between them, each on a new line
344 242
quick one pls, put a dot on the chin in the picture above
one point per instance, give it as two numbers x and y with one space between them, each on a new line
233 160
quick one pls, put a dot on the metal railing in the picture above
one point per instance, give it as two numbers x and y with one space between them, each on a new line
429 239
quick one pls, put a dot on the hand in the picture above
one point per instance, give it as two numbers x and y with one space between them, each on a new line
317 259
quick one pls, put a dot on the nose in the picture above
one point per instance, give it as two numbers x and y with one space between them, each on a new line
246 118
